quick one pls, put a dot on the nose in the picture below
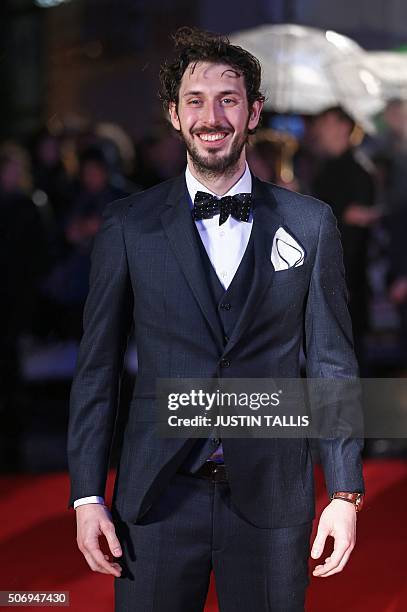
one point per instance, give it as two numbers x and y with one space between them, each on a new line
212 113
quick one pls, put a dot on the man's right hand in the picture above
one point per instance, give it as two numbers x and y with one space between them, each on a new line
94 521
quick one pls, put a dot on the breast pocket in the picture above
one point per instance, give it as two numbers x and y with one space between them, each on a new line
296 276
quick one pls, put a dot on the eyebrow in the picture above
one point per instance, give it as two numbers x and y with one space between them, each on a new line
227 92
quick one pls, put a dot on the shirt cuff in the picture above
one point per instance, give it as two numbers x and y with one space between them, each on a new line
92 499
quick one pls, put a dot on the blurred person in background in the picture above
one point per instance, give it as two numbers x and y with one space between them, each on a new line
23 261
308 157
119 151
397 228
67 284
346 180
96 189
390 149
50 175
270 157
161 156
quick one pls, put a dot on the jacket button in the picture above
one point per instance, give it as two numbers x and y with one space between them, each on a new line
225 363
226 306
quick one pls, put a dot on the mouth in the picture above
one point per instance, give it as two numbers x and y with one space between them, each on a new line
213 137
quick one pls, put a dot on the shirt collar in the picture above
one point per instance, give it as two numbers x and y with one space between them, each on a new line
243 185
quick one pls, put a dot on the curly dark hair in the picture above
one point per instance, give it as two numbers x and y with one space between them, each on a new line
192 46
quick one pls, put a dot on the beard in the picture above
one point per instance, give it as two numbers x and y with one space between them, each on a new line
215 163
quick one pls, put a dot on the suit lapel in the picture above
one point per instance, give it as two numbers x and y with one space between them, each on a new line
266 221
179 227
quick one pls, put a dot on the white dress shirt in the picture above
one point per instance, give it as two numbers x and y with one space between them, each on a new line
225 245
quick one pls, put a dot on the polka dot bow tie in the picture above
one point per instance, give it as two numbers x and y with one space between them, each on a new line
207 206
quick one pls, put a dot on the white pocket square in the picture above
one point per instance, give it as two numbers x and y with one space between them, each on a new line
286 252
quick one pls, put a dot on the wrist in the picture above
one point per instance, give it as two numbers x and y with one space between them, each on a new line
86 508
90 499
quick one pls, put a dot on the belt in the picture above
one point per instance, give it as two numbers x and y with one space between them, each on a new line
210 470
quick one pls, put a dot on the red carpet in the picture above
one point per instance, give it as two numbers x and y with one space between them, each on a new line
38 549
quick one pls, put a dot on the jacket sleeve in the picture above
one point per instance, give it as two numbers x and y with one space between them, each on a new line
95 389
329 351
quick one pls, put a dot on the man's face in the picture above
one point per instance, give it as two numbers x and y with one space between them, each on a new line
213 117
331 134
94 176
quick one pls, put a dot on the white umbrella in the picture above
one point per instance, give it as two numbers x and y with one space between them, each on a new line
306 70
391 68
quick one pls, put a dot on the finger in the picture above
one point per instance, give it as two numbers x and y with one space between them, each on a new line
319 543
341 565
332 562
340 547
110 568
329 564
96 559
93 565
114 568
111 537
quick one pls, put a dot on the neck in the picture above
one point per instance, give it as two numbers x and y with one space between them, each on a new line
219 183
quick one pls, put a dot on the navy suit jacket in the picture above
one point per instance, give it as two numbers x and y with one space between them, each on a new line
147 271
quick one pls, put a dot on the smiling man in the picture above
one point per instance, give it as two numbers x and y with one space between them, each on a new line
221 275
212 114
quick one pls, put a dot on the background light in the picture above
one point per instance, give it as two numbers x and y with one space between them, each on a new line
49 3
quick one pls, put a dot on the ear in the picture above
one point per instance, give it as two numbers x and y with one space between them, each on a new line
172 110
254 114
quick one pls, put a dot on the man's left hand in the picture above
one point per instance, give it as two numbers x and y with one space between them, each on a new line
339 521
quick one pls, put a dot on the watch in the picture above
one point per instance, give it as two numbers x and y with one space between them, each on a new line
354 498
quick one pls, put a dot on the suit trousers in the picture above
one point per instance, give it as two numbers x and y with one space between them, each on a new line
193 528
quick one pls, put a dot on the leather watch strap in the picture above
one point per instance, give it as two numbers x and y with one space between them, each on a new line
354 498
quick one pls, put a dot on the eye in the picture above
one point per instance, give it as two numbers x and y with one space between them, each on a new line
194 101
227 101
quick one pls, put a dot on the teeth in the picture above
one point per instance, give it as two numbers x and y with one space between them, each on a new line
212 137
